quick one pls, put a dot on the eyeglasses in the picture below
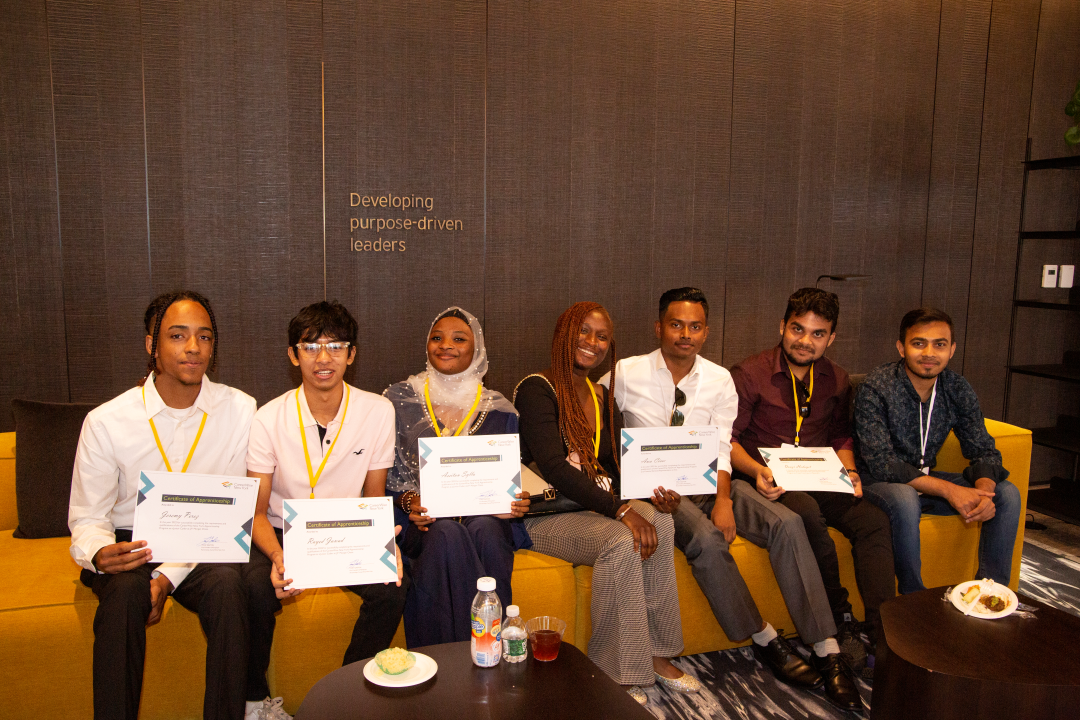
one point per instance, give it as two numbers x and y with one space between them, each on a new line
804 400
333 349
676 414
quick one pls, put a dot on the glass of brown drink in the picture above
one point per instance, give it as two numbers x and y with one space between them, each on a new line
545 636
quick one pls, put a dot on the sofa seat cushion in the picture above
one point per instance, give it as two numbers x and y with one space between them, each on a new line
46 573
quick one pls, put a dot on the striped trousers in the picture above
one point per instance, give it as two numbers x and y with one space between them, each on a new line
635 604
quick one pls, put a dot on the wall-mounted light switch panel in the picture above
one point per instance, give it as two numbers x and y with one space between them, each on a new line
1065 276
1049 278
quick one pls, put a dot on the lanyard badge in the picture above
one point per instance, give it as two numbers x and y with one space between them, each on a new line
924 435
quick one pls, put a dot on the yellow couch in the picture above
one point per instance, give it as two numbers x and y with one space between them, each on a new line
46 614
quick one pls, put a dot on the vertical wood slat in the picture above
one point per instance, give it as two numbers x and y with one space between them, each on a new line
97 96
404 116
33 288
529 199
954 171
263 241
832 106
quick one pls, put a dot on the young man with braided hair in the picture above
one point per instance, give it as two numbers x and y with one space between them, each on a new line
177 420
674 385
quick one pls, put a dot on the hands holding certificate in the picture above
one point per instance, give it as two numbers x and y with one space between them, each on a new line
418 514
282 584
803 468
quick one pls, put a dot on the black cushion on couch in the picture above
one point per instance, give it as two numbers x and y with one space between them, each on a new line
46 438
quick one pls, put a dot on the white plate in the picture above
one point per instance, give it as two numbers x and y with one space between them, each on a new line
424 669
958 593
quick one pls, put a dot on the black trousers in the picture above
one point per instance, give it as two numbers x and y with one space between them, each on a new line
217 592
867 529
374 630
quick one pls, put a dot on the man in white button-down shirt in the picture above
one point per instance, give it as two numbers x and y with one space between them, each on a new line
117 442
674 385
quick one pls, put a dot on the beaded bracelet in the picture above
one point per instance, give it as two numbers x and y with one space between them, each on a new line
406 501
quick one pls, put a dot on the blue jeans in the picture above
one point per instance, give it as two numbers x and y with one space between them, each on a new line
903 504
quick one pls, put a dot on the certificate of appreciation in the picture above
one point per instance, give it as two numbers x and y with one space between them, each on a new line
680 458
807 468
469 475
189 518
337 542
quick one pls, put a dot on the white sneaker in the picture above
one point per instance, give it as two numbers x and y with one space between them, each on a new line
269 710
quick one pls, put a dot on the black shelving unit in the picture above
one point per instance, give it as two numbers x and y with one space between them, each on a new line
1062 500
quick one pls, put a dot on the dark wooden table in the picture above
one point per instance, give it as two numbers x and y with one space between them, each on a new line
571 686
935 662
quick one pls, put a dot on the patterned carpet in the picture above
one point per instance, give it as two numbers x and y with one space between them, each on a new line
742 688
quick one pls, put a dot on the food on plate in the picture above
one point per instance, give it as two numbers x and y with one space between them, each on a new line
394 661
993 603
971 594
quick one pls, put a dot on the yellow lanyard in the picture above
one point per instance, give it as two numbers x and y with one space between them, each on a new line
810 394
157 439
596 438
314 477
431 411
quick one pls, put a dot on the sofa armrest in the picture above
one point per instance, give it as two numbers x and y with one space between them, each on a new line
9 514
1014 444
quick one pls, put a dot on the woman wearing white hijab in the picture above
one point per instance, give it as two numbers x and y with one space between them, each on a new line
445 557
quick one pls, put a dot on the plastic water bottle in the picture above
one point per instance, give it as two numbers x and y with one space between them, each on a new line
486 624
515 641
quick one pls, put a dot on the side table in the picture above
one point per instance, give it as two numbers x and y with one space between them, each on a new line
935 662
571 686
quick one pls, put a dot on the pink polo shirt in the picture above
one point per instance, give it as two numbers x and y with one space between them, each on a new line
366 443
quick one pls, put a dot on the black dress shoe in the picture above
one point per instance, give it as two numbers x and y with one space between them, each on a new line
849 637
839 682
786 664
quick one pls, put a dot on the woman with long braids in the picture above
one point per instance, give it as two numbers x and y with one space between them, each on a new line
446 556
570 428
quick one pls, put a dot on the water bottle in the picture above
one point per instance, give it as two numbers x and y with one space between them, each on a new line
486 623
515 641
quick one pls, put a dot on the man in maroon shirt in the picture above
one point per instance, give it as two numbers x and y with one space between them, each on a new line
814 411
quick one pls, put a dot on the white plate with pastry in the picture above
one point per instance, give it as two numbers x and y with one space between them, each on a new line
984 599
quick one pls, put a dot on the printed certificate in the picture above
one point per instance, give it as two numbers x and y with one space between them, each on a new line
807 468
336 542
470 475
190 518
681 458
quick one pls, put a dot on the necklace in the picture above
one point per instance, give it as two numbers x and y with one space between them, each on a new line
464 421
313 477
157 439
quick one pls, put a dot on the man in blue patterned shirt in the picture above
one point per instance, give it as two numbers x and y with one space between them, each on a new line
903 413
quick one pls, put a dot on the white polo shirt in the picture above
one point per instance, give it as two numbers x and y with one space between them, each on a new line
645 392
117 443
366 443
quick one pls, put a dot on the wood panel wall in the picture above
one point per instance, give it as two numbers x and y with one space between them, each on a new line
598 150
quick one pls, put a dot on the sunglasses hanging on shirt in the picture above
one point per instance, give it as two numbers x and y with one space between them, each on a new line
677 417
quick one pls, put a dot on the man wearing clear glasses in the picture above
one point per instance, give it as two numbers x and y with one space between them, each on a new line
674 385
326 439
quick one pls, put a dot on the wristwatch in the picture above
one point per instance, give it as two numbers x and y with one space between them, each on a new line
620 516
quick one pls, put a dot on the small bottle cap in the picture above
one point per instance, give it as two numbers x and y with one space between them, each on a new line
512 611
486 584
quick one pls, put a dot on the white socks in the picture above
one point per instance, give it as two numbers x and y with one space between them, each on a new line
821 649
766 635
827 646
